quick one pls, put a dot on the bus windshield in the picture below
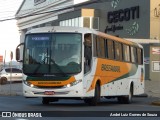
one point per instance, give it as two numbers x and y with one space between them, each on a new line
52 53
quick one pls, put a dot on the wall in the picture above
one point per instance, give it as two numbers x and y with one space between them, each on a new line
146 62
155 19
30 15
155 62
139 27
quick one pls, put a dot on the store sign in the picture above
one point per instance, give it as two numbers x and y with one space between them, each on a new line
156 66
123 15
115 3
156 50
115 18
113 28
36 2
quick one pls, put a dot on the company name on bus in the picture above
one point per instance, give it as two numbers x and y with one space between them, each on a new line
123 15
49 82
111 68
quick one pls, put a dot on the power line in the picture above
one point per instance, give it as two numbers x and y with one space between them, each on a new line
54 10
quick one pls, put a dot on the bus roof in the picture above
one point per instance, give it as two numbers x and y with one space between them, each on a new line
52 29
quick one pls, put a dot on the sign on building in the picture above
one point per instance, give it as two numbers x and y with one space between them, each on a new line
156 66
156 50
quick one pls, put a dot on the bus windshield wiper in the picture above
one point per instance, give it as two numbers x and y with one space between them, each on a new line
58 67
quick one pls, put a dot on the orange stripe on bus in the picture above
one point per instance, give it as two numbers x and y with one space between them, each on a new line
108 76
52 82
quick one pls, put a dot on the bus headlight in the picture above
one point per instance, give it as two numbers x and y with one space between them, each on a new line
28 83
73 83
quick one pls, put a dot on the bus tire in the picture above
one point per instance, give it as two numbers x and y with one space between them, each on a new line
126 99
120 99
45 101
96 99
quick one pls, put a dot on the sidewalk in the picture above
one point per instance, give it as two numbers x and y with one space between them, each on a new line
152 89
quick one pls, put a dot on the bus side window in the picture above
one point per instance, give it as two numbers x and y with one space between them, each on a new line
133 54
118 51
87 52
126 53
140 56
100 47
110 46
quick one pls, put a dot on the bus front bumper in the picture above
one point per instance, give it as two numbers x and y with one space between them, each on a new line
74 91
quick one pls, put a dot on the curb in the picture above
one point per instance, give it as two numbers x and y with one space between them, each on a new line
142 95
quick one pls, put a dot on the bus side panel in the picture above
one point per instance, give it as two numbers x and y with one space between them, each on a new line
115 77
139 82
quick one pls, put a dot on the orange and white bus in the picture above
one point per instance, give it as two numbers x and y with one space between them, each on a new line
80 63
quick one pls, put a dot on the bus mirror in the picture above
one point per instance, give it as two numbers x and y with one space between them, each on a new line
17 54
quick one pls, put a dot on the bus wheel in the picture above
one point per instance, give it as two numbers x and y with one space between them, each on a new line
96 99
126 99
45 101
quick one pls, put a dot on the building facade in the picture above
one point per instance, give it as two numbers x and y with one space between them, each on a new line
131 19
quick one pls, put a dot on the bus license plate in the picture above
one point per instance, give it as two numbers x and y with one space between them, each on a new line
49 93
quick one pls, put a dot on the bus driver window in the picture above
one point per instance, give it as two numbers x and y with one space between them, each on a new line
87 52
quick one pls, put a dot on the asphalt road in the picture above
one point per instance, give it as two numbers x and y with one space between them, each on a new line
73 109
19 103
64 109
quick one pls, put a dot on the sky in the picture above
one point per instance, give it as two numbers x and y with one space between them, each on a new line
9 34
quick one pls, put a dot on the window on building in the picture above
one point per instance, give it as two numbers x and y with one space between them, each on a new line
73 22
89 22
76 22
69 22
86 22
95 23
80 22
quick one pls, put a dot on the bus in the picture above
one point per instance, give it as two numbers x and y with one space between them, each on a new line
80 63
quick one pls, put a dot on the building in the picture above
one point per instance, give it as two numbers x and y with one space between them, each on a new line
40 13
131 19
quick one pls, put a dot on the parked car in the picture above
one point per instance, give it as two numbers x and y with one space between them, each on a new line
10 74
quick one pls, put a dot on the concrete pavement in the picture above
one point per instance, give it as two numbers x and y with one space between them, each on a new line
152 89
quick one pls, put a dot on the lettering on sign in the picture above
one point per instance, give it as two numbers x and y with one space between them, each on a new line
123 15
115 19
111 68
113 28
